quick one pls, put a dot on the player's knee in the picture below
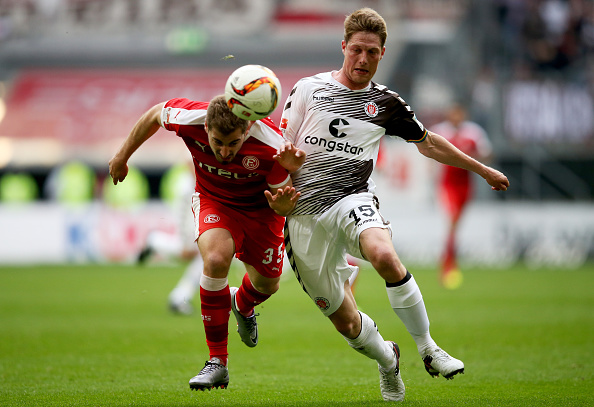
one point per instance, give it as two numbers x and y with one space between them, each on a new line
388 265
217 264
348 325
383 259
349 328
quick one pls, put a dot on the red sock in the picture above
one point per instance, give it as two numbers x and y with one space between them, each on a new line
248 297
449 256
216 307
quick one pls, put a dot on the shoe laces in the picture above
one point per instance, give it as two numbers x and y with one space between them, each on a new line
387 377
250 322
440 355
210 367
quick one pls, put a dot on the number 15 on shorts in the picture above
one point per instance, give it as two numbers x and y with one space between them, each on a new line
360 212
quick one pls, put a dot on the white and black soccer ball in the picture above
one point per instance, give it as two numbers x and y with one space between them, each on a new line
252 92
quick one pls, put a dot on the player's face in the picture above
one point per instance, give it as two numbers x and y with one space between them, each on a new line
361 56
225 147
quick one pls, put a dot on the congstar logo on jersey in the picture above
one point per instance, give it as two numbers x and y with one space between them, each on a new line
337 129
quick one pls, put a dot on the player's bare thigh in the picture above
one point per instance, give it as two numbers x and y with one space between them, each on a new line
377 248
217 249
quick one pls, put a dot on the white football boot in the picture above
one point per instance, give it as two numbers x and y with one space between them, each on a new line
438 361
391 384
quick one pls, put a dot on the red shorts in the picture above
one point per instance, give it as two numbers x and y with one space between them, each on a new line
454 198
257 233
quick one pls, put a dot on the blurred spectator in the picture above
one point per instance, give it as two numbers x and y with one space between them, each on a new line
71 184
135 191
18 188
177 187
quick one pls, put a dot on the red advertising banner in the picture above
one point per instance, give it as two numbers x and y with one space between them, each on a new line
96 108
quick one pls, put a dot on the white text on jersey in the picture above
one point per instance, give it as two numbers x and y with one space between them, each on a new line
224 173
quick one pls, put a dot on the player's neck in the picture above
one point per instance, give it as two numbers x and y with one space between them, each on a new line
341 78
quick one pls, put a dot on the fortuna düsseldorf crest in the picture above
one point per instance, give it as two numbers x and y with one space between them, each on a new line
250 162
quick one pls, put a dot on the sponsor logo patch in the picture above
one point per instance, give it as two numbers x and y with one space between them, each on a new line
212 218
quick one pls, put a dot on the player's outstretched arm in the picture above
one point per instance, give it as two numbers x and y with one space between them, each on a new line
438 148
145 127
284 200
290 157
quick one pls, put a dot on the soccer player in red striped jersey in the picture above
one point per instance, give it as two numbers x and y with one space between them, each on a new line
455 184
243 191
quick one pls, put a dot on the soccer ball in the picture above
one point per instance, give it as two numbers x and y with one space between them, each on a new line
252 92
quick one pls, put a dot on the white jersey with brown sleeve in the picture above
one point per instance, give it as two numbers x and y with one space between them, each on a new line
340 130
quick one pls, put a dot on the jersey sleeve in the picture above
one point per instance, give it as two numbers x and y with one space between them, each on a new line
182 112
294 112
404 122
278 176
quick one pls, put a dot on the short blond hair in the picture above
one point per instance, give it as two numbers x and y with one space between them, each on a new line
365 20
222 119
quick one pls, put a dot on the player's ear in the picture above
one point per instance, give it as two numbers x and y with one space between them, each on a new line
205 126
343 46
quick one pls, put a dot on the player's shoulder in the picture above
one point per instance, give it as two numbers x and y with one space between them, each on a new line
184 103
266 133
384 92
184 111
390 100
314 80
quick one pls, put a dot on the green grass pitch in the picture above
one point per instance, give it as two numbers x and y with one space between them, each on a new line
102 336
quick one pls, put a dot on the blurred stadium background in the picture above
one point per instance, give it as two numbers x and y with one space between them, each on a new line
75 75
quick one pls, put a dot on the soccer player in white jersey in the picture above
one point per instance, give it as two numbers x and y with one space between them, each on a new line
338 118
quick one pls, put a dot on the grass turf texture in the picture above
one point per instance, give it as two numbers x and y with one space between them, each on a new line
102 336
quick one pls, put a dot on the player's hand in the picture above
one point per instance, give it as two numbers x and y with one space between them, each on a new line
289 156
117 170
497 180
283 201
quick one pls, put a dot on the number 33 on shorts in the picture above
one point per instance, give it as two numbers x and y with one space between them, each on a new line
269 254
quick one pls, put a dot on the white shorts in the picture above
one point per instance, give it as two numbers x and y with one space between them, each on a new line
317 246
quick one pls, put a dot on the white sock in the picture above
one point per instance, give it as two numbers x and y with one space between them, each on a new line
371 344
407 302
